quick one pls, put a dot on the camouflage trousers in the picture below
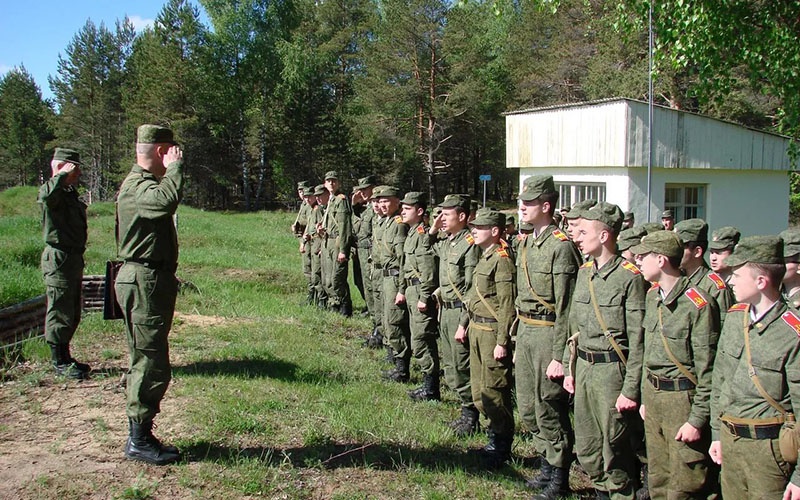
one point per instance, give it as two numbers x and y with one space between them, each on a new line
395 320
334 274
424 330
752 468
455 356
490 379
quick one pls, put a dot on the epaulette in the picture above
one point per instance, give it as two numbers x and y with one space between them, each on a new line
420 229
717 279
521 236
560 235
503 243
341 196
398 219
469 239
739 307
655 286
631 267
697 299
501 251
588 264
792 320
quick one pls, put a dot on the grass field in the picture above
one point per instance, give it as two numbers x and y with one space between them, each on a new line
270 399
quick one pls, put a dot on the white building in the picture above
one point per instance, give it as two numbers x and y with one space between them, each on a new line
719 171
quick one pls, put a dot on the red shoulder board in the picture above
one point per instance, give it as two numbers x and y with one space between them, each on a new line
501 251
521 236
588 264
631 267
717 279
697 299
503 243
420 229
560 235
469 239
792 320
739 307
398 219
655 286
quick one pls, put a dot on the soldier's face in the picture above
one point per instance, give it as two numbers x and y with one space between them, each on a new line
792 268
411 214
669 223
332 185
311 200
648 264
300 193
453 220
716 259
484 235
376 207
532 211
588 236
745 284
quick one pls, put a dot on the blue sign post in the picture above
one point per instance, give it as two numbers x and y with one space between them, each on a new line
484 178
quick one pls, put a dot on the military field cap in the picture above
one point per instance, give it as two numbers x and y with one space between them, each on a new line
607 213
791 242
758 250
692 231
628 216
154 134
724 237
662 242
537 185
630 237
651 227
67 155
525 227
436 212
302 184
365 182
557 218
575 211
667 214
331 174
510 220
319 189
307 191
385 192
456 200
489 217
413 198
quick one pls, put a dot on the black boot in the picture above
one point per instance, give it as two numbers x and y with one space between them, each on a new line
497 451
643 493
65 366
543 478
81 366
468 423
142 445
428 391
375 340
389 355
558 487
400 371
346 309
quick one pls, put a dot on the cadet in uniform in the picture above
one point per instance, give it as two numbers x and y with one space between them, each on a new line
146 286
458 257
668 220
64 228
628 238
490 303
337 224
547 264
756 380
722 243
313 243
377 339
298 229
791 255
420 275
607 311
363 215
681 327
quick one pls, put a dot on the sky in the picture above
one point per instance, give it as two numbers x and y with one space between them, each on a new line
34 32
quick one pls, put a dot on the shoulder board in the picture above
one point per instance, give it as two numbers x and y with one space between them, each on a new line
469 239
398 219
717 279
503 243
631 267
792 320
739 307
420 229
501 251
588 264
560 235
341 196
697 299
521 236
655 286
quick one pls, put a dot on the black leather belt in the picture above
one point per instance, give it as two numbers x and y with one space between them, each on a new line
414 281
67 249
668 384
457 304
480 319
540 317
766 431
391 272
599 357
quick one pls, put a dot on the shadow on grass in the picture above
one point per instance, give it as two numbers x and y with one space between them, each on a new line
262 367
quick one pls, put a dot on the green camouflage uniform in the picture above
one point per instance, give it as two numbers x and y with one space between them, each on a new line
395 317
338 238
64 226
314 251
688 320
377 259
419 273
362 227
714 285
546 267
146 285
300 225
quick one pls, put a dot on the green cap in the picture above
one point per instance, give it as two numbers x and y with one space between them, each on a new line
319 189
667 214
575 211
537 185
510 220
791 242
758 250
331 174
651 227
307 191
662 242
607 213
628 216
414 198
456 200
365 182
489 217
557 218
692 231
385 192
67 155
724 238
630 237
154 134
302 184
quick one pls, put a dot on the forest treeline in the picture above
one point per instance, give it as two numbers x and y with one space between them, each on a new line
263 93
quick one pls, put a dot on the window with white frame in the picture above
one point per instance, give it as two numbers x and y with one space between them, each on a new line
570 193
687 201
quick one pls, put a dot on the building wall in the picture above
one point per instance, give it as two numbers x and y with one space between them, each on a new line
615 179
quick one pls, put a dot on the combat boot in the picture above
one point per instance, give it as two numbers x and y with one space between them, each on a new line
468 423
346 309
400 371
81 366
64 366
143 446
428 391
558 487
543 478
375 341
497 451
389 355
643 493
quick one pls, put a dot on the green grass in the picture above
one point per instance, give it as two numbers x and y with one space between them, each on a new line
274 399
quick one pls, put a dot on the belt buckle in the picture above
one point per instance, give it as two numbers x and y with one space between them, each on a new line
589 357
655 381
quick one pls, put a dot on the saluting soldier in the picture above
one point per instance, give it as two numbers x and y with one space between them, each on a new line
420 275
298 229
490 303
756 380
146 285
723 241
681 333
606 312
791 255
458 257
64 228
337 226
547 264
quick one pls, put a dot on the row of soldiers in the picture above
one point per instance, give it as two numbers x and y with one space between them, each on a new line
569 311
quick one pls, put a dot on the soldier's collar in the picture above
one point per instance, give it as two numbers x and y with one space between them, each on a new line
680 287
766 318
608 268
